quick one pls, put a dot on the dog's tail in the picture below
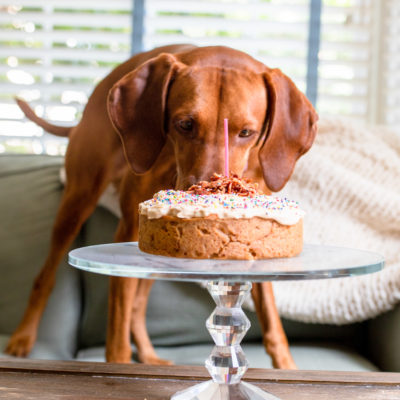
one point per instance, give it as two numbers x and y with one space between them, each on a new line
30 114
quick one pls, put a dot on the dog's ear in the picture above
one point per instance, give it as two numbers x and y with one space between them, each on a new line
291 129
136 106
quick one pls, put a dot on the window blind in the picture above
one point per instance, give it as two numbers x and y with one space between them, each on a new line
359 62
52 54
345 58
274 32
389 66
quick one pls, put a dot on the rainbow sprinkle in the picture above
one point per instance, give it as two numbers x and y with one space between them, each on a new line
231 201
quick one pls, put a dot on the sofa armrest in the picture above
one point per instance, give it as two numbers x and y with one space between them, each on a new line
384 340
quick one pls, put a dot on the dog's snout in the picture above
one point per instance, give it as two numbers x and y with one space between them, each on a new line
186 182
191 180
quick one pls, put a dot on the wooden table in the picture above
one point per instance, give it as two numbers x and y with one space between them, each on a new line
56 380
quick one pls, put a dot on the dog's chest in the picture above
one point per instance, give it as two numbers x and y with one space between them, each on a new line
109 199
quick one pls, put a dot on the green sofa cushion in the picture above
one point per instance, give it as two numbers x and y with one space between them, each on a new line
384 339
308 356
30 192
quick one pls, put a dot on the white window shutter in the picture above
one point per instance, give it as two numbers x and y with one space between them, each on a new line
274 32
345 55
359 71
54 52
389 81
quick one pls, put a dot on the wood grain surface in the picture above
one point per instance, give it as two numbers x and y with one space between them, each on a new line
67 380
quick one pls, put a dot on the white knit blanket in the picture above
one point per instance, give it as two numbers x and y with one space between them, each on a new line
349 185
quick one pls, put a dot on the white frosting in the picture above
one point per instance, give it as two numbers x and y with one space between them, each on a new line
184 205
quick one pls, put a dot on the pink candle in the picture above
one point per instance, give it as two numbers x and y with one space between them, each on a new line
226 147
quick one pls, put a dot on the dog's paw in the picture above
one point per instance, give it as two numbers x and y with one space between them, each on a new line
283 361
154 360
20 345
287 364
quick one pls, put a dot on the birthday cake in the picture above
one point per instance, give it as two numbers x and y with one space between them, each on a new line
224 218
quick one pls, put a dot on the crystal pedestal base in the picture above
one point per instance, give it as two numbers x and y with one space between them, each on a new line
227 362
215 391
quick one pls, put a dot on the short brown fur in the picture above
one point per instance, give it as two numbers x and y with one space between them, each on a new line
150 101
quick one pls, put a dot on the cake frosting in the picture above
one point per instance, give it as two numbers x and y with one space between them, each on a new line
182 204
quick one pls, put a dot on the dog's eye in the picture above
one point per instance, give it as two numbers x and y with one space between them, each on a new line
245 133
186 125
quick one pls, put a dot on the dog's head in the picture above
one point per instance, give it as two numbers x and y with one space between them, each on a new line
185 97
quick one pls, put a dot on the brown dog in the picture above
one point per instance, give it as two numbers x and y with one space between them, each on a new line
168 107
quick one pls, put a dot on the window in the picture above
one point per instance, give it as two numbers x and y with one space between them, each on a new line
387 67
358 59
55 51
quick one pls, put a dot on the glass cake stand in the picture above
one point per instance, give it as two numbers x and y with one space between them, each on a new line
229 282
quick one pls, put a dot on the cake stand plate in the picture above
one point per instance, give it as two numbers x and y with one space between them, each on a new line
314 262
229 283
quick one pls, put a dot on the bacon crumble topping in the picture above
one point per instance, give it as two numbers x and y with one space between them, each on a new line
221 184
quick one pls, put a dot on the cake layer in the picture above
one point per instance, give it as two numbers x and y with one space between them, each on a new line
213 237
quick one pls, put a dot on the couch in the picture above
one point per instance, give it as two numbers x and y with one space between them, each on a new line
74 323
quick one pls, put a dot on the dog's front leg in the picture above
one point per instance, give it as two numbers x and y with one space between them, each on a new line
127 303
146 352
274 337
121 295
76 206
